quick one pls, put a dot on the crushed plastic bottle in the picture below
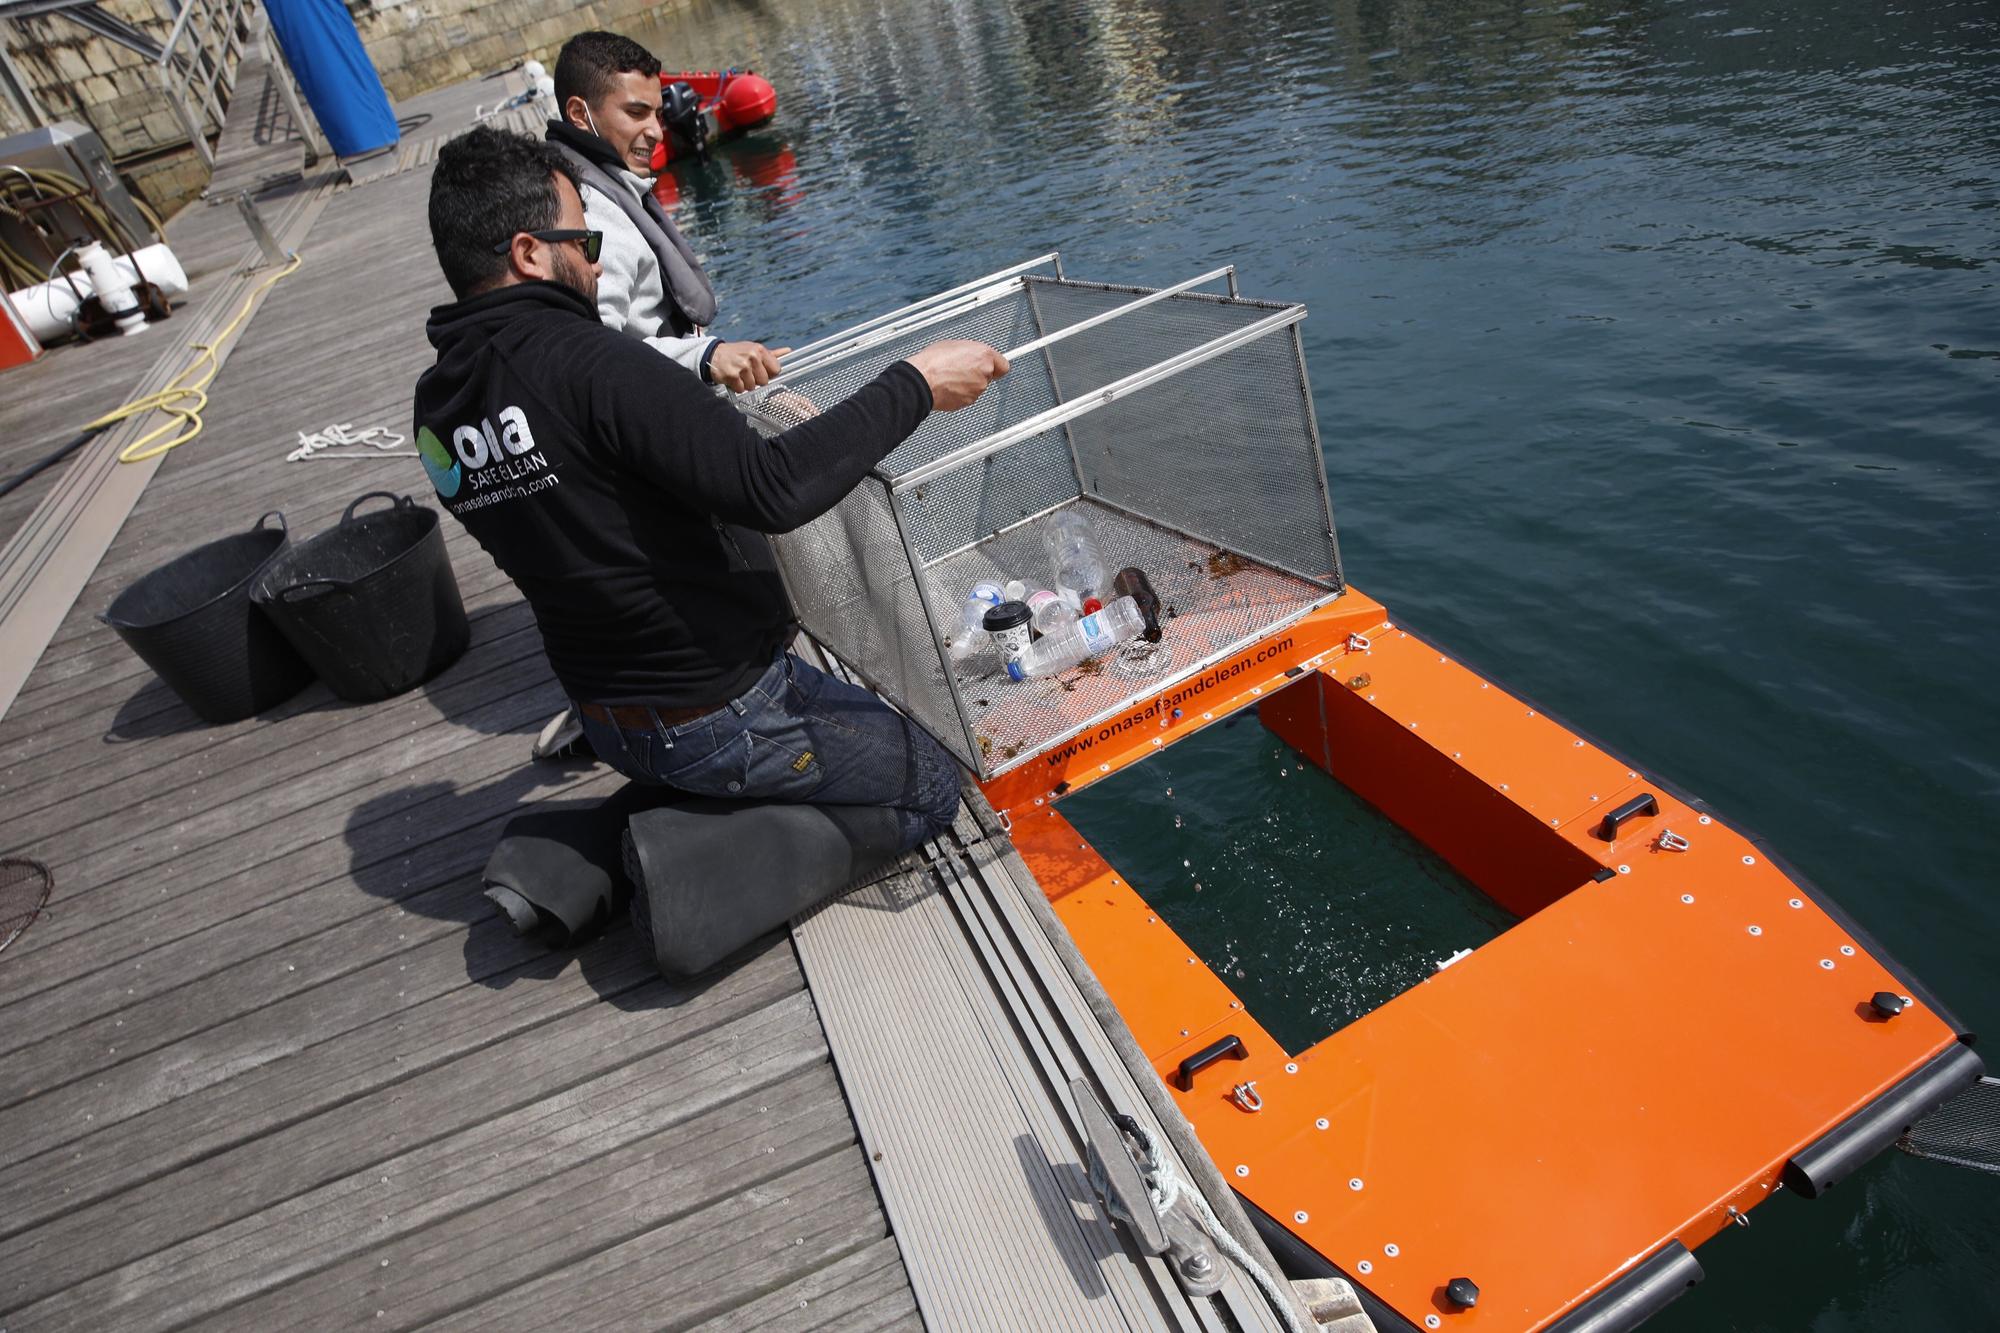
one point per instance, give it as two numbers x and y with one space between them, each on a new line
1072 551
1095 633
1052 614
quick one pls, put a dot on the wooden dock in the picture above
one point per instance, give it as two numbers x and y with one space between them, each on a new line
269 1059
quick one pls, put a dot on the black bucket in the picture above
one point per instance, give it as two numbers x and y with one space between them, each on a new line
372 604
192 622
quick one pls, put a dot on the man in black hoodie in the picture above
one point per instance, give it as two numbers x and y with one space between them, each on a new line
630 505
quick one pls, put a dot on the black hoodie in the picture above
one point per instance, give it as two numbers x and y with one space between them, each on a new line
626 500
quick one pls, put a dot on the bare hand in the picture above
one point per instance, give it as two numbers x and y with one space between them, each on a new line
741 367
958 371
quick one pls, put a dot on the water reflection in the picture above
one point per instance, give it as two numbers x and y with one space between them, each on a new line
1654 344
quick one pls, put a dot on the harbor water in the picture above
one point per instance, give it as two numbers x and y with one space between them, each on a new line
1656 347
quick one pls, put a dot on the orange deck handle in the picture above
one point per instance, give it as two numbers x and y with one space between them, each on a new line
1230 1047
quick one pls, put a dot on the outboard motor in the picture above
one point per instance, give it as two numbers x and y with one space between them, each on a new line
680 110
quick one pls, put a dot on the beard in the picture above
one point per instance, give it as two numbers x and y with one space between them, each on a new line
576 276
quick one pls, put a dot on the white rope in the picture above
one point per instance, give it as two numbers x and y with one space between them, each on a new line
1165 1184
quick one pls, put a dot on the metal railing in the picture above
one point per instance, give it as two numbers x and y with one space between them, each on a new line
198 63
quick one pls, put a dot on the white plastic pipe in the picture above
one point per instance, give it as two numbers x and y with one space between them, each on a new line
114 288
50 307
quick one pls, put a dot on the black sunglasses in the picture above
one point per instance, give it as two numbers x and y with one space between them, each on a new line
593 241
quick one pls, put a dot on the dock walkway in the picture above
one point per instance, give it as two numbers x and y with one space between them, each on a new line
269 1059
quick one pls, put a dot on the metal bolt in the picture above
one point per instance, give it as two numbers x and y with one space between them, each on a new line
1392 1249
1826 963
1300 1216
1749 860
1242 1170
1796 904
1366 1267
1847 950
1624 870
1706 820
1198 1266
1355 1183
1291 1067
1687 898
1432 1321
1321 1123
1756 930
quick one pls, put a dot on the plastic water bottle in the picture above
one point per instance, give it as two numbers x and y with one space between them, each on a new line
1094 634
983 598
1052 614
1073 552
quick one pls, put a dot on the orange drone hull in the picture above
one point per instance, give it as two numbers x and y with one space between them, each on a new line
1675 1025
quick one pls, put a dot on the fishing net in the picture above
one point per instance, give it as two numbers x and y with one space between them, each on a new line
24 889
1965 1131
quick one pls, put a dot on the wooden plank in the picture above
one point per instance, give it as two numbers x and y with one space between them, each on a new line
90 686
124 791
867 1290
701 1265
757 1132
300 849
427 841
257 1004
176 824
41 766
591 1164
422 1073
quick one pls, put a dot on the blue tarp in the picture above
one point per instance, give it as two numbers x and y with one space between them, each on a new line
335 74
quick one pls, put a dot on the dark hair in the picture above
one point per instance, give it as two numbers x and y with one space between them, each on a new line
591 62
486 187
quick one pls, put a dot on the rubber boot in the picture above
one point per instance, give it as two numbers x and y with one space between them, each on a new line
717 874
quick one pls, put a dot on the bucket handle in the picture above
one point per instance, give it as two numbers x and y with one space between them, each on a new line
284 594
399 501
265 521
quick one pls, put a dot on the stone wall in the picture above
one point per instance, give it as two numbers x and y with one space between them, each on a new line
418 45
76 75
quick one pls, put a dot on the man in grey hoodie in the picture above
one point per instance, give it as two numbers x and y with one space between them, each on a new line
608 95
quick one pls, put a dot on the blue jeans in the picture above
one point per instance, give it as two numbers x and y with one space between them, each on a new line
798 734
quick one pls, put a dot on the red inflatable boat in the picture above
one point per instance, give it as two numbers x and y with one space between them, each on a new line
702 106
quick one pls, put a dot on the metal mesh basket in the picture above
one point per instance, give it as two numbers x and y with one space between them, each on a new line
1179 421
1965 1131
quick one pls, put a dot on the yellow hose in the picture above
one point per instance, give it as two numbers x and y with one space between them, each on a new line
182 402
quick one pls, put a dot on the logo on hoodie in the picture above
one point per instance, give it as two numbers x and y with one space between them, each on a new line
489 457
443 468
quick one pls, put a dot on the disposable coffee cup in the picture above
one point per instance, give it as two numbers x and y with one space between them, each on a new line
1009 623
